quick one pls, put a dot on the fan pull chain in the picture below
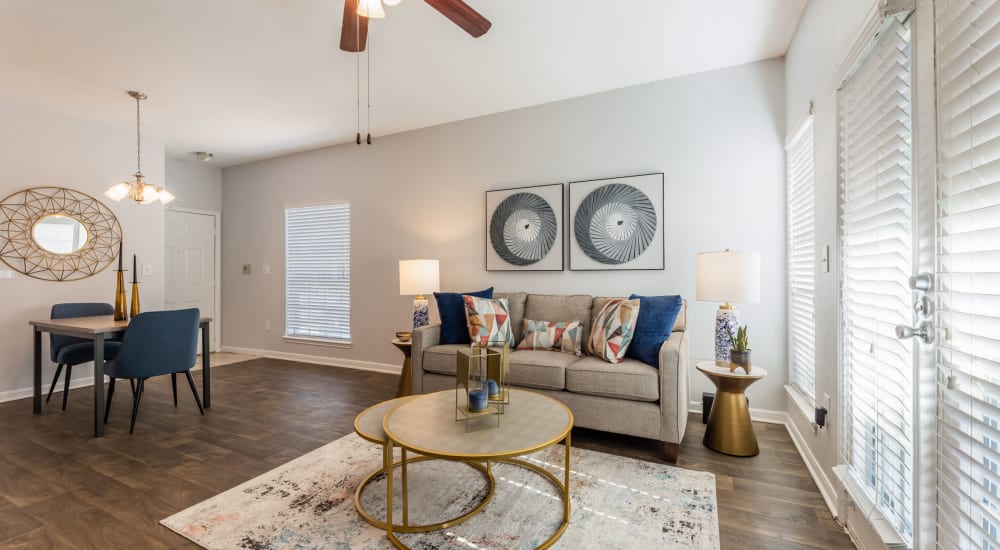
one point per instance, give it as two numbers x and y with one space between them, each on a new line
369 91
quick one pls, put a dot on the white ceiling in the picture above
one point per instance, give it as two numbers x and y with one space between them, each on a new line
250 79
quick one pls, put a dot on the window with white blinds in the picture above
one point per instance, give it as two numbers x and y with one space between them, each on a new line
876 262
801 260
318 272
968 273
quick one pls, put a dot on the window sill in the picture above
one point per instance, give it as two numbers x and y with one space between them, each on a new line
866 508
802 404
318 342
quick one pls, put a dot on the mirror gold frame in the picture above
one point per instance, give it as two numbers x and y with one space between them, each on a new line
20 211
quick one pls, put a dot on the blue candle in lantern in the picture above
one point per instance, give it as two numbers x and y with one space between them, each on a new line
493 387
477 400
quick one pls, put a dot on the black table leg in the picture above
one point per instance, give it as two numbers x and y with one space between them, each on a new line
36 401
99 385
206 368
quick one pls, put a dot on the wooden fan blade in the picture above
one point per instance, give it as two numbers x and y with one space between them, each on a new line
462 15
354 30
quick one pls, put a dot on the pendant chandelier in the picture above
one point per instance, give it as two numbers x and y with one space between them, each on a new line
138 190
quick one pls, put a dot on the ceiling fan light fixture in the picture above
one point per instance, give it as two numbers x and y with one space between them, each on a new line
391 3
372 9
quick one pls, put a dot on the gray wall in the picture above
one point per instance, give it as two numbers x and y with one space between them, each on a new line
717 136
39 148
823 39
197 185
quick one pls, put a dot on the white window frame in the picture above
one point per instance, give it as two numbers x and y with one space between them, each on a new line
296 334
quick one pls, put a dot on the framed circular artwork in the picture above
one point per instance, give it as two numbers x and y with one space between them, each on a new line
524 229
57 234
617 223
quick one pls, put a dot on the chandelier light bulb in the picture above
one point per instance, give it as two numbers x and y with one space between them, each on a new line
372 9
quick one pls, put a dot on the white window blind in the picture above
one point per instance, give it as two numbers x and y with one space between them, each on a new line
876 262
968 272
801 260
318 272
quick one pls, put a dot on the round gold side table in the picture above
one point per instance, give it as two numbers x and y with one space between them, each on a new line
729 429
403 389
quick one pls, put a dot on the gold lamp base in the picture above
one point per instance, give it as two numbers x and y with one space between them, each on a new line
729 429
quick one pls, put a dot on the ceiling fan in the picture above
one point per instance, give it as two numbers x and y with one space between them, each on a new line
354 30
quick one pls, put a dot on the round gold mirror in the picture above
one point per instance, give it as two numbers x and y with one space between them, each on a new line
57 234
60 234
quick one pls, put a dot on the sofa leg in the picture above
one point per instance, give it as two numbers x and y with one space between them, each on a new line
670 452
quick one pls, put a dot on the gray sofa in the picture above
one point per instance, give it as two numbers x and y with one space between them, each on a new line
630 398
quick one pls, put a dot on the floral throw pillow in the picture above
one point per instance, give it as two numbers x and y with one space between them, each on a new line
489 321
564 336
613 329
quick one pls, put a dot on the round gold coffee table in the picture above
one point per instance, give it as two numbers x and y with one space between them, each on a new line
368 425
426 425
729 429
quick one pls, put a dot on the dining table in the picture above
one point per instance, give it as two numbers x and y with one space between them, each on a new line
99 329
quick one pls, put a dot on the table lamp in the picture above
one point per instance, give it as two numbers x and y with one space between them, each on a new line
417 277
728 277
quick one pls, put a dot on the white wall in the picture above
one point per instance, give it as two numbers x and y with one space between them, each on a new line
717 136
826 33
196 185
39 148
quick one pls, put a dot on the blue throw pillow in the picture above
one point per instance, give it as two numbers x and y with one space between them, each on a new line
657 315
451 309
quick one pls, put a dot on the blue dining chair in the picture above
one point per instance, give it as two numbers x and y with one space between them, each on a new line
156 343
67 351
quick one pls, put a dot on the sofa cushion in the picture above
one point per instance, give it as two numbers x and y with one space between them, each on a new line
657 315
516 301
632 380
528 369
489 321
546 307
613 328
451 309
561 336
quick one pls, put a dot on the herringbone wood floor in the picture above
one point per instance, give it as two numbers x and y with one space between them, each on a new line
61 488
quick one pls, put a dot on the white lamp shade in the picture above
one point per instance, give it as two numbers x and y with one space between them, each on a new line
729 277
418 277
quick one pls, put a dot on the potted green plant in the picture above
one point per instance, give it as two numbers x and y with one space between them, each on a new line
740 353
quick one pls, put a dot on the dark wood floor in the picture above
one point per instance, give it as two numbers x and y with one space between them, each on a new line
62 488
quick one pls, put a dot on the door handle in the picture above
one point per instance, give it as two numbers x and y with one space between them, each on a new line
923 332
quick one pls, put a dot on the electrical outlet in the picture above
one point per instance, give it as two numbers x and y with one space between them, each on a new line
147 269
265 269
267 326
247 269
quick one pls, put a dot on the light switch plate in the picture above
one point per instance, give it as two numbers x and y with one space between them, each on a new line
6 274
265 269
147 269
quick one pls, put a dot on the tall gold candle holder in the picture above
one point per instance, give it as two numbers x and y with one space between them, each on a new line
121 311
135 291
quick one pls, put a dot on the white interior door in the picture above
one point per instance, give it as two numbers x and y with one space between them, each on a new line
190 265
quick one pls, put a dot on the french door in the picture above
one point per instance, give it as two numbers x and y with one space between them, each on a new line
920 276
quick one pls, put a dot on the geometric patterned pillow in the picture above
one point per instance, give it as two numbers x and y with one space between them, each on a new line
612 330
489 321
557 336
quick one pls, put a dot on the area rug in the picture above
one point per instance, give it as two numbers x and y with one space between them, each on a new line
309 503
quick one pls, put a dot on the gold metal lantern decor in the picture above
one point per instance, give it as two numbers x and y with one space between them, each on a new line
479 395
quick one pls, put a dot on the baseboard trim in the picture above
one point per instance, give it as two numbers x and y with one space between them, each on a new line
823 482
318 360
757 415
